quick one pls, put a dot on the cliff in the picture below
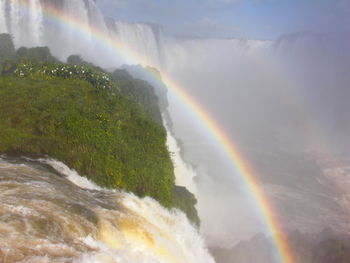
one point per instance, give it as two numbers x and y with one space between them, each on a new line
106 126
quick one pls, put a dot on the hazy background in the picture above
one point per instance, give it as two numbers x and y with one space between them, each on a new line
274 74
282 100
254 19
284 104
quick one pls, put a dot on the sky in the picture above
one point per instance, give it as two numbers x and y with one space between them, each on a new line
255 19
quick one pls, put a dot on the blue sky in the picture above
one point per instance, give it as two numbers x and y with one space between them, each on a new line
258 19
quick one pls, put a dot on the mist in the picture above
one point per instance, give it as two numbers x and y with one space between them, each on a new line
284 103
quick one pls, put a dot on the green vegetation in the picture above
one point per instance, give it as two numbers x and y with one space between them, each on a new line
139 91
9 56
84 121
35 54
186 201
100 80
77 60
106 126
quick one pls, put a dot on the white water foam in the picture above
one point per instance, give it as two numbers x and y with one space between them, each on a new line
184 174
71 174
126 228
3 28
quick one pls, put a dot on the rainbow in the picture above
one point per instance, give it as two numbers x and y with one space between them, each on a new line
271 219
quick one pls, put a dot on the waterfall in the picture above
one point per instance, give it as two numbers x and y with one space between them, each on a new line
142 39
25 22
29 28
3 27
15 22
250 94
35 22
184 173
50 217
74 40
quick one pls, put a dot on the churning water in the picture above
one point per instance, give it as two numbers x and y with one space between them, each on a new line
49 213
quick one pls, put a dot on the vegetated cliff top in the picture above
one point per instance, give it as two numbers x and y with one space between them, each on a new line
106 126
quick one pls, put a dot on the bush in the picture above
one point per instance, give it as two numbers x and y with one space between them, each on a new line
100 80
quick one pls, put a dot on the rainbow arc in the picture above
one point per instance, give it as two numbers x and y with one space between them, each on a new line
231 149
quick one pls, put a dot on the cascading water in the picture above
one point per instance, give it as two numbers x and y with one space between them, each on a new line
15 24
48 216
184 174
3 27
25 24
63 222
35 22
29 28
162 52
264 94
188 61
69 35
141 39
